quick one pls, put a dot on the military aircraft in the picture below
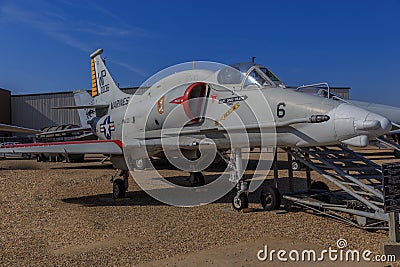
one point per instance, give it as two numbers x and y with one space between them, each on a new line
195 110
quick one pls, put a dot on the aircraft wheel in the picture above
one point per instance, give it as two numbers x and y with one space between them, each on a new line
197 179
41 158
140 164
270 198
118 189
396 153
240 202
318 185
297 165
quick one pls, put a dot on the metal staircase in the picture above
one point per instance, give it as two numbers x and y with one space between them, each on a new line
358 183
390 144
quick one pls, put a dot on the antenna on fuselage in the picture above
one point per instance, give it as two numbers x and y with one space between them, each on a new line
253 59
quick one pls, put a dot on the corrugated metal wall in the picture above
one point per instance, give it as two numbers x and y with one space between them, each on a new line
342 92
5 108
35 111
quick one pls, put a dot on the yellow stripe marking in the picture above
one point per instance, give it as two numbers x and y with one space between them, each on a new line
95 91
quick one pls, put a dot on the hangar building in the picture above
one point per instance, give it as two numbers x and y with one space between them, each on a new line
35 110
5 107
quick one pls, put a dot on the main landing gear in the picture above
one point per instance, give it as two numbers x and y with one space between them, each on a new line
120 184
270 197
240 200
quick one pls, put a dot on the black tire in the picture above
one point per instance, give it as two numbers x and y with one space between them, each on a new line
396 154
118 189
296 165
198 179
59 158
270 198
321 186
41 158
240 202
76 158
140 164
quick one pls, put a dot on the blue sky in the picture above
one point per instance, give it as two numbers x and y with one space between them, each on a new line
45 45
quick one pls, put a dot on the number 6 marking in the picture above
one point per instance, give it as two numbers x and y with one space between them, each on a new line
280 112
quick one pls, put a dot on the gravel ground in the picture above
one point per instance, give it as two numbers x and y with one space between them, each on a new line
63 214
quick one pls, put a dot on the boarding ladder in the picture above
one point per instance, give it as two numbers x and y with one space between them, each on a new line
358 179
389 144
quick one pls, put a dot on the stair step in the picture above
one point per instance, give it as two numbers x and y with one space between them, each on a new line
368 176
358 168
349 183
342 159
364 193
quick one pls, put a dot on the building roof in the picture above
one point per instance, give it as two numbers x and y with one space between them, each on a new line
2 89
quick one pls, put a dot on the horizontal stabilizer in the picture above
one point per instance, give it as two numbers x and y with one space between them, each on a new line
112 147
82 107
17 129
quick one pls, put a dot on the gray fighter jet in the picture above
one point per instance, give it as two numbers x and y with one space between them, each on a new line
228 108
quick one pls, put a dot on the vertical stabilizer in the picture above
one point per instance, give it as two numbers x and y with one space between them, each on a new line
104 89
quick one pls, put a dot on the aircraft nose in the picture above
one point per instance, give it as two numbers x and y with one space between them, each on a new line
375 124
352 121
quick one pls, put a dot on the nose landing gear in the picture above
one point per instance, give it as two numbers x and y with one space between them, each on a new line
196 179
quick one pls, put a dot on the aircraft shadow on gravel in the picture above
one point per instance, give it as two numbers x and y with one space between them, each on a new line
141 198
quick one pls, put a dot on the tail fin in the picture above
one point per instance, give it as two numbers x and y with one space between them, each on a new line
104 89
83 98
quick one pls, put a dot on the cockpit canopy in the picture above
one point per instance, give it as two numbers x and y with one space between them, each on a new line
249 76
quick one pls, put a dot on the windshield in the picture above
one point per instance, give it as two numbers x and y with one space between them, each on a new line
248 75
270 75
255 79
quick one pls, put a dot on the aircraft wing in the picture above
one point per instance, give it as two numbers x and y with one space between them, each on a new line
188 138
112 147
17 129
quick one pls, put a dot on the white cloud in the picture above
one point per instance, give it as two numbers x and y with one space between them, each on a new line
83 34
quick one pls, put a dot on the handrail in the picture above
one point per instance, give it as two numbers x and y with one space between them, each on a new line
395 124
316 84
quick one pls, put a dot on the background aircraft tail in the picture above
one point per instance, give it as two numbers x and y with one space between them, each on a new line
104 89
83 98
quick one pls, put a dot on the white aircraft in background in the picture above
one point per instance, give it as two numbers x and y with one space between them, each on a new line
387 111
